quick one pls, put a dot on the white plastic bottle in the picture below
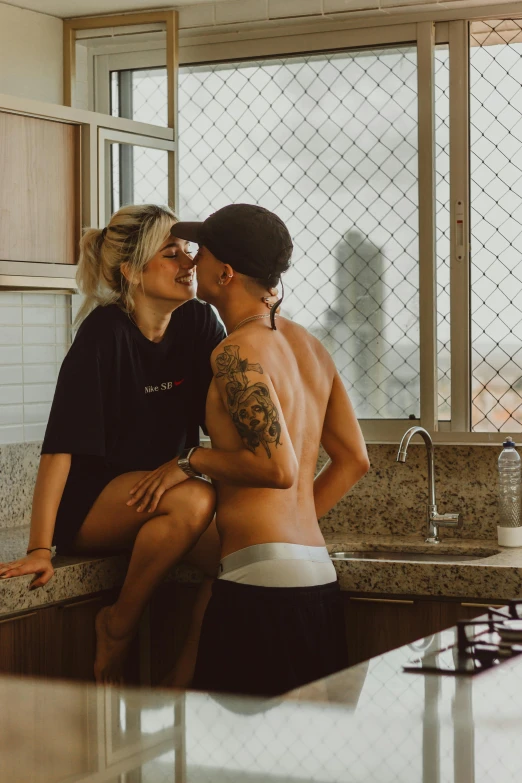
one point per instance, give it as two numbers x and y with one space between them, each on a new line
509 489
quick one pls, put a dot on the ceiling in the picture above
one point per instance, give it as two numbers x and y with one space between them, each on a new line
70 8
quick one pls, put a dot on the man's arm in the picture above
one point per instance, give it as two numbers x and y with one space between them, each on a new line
343 442
267 458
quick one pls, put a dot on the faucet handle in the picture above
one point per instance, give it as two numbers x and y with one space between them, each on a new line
446 520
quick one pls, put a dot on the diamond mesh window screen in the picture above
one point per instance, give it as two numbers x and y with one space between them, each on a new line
329 142
442 227
140 94
149 95
496 224
139 174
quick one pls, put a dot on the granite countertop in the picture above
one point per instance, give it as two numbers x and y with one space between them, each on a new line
74 576
495 577
368 723
495 574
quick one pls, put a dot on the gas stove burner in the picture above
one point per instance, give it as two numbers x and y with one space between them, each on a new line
494 639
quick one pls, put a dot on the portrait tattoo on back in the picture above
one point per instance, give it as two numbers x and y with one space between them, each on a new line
249 404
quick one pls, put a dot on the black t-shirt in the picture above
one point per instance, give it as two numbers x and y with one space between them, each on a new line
124 403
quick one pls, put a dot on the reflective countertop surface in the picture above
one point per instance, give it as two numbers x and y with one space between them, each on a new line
369 723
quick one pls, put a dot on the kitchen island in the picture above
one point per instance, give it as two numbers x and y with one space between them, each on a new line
369 723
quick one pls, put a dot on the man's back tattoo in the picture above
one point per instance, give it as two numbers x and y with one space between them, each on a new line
250 405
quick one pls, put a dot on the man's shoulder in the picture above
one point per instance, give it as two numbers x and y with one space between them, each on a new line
247 340
255 345
241 352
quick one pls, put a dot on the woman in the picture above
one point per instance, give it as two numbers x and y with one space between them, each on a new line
130 396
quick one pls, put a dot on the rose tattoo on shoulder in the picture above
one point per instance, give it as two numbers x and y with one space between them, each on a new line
252 410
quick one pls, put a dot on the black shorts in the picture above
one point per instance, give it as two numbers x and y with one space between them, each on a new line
265 641
85 483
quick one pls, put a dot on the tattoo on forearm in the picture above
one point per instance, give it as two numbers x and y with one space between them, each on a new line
249 404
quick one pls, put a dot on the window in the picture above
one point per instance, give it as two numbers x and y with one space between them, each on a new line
442 226
139 175
496 224
329 141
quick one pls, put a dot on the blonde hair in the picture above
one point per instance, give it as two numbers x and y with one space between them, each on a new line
134 235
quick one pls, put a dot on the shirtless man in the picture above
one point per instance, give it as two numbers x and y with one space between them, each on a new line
274 621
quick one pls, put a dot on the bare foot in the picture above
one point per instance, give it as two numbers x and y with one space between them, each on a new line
110 651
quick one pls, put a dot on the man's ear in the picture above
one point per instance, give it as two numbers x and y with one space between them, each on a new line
226 275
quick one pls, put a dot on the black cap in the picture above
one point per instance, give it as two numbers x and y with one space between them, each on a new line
254 241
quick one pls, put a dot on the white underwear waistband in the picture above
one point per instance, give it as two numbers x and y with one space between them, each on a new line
279 565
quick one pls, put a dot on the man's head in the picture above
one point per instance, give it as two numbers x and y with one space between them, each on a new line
238 241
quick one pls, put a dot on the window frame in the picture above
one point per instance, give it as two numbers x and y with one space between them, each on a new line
108 136
426 30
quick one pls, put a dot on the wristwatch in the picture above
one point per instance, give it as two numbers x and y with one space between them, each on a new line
184 462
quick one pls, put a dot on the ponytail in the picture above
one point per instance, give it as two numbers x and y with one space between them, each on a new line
133 236
88 276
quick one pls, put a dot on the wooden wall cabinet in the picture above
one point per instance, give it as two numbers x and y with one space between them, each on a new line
39 190
378 624
23 643
59 641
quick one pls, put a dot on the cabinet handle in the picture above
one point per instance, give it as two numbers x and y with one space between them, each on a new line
483 606
74 604
382 600
19 617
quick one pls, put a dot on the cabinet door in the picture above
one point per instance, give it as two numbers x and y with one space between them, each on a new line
38 190
376 625
77 639
24 644
453 611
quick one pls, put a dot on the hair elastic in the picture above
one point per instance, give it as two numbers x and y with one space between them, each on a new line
47 549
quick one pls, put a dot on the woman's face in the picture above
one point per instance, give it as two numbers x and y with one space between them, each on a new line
170 274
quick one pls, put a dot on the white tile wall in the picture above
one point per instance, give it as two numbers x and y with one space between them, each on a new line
35 331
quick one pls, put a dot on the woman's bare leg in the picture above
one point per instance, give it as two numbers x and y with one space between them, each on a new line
160 541
205 555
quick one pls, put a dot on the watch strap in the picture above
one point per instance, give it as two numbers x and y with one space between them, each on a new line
184 462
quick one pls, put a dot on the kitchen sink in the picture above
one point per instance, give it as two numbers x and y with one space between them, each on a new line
416 557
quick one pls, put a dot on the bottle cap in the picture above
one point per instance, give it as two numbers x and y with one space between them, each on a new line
509 443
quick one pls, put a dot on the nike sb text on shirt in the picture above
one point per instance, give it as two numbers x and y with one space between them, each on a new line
163 386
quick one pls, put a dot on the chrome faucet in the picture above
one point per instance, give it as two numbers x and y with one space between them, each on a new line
433 518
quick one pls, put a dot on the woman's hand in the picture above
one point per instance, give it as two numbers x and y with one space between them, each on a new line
37 563
147 492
